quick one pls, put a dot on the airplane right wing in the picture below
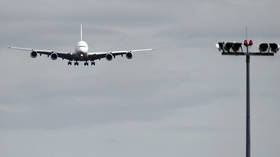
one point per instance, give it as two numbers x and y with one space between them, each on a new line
110 54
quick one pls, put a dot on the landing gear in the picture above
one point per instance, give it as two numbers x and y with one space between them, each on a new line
86 64
76 63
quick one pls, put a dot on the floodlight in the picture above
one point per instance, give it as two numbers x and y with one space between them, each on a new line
228 46
236 47
273 47
263 47
220 46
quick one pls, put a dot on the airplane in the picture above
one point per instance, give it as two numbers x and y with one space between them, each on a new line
80 53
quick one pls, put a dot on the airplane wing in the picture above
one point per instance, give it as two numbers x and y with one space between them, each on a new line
52 53
99 55
109 55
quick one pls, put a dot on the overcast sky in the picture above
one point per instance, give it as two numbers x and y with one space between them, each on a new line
184 99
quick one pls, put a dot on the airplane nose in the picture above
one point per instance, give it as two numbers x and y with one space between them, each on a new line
82 49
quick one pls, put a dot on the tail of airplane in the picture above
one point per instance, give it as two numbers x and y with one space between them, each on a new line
81 32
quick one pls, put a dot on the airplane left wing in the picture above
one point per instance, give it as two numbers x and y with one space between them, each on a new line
31 49
52 53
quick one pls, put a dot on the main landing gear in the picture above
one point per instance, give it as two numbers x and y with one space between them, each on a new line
86 63
76 63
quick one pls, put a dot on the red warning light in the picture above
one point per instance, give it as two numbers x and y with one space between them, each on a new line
250 43
245 42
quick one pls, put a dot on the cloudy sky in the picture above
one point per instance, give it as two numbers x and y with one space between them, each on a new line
184 99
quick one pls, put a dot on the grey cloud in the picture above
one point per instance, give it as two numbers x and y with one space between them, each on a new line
182 98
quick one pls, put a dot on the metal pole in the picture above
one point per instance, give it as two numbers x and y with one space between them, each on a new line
248 138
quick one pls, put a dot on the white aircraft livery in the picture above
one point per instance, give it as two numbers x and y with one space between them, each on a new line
80 53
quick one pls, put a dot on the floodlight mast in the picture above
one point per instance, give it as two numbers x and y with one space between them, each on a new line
266 49
248 122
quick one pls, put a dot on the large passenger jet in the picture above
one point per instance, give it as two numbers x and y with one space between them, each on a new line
80 53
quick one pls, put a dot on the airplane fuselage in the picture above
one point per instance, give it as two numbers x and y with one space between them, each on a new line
81 50
81 47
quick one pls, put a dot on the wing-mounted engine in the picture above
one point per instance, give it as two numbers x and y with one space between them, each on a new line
109 57
129 55
33 54
54 56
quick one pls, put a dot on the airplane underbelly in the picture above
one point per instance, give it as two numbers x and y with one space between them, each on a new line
81 56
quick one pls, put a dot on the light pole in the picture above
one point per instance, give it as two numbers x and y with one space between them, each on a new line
236 49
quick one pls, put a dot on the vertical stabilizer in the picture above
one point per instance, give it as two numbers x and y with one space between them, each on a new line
81 32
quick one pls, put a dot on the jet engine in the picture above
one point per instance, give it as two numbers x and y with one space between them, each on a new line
54 56
129 55
33 54
109 57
